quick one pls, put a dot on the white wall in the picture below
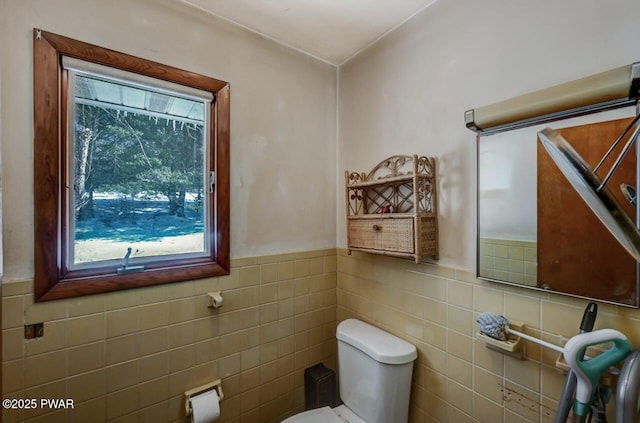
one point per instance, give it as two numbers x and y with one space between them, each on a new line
283 116
407 94
2 47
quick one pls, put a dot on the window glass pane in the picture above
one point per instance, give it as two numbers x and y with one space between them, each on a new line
138 174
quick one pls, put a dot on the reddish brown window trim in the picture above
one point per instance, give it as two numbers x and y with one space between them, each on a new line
52 281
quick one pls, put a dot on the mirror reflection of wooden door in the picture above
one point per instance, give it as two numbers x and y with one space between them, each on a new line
573 245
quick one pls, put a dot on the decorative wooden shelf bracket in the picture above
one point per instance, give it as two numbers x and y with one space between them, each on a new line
393 209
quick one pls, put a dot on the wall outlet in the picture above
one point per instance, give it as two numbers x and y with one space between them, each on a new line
35 330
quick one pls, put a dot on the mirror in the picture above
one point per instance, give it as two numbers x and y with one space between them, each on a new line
533 228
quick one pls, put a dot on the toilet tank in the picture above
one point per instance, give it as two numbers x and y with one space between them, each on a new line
375 371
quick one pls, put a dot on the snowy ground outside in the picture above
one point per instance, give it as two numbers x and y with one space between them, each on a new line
142 223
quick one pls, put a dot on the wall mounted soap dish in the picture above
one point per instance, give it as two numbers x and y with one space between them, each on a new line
513 346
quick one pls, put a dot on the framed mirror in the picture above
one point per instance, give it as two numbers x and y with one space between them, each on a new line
534 230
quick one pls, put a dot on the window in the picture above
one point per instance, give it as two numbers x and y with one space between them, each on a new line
131 171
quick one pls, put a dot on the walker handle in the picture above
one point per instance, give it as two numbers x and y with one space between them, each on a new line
588 372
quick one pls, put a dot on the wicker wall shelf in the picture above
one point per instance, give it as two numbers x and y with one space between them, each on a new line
393 210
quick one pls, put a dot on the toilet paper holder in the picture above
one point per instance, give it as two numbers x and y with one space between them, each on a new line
216 384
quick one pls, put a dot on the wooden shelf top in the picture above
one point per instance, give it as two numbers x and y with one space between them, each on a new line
387 181
388 216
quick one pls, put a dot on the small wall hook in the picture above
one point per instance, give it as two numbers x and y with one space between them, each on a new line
216 299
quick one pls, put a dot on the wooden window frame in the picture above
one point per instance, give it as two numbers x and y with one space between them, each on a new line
52 280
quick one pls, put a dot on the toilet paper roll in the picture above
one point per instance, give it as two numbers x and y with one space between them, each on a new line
205 408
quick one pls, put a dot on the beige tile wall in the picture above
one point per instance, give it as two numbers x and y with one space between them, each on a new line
509 260
129 356
456 378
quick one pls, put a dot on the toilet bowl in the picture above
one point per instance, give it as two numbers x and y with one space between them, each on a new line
375 369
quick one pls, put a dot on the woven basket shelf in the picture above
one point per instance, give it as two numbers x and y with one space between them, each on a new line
392 210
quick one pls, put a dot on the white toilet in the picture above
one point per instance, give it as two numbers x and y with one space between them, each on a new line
375 370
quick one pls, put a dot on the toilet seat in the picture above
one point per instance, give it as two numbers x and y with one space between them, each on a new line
345 414
339 414
318 415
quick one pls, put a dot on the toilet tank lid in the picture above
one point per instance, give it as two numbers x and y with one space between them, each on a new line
376 343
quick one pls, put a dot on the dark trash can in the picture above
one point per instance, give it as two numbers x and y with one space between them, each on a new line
320 388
